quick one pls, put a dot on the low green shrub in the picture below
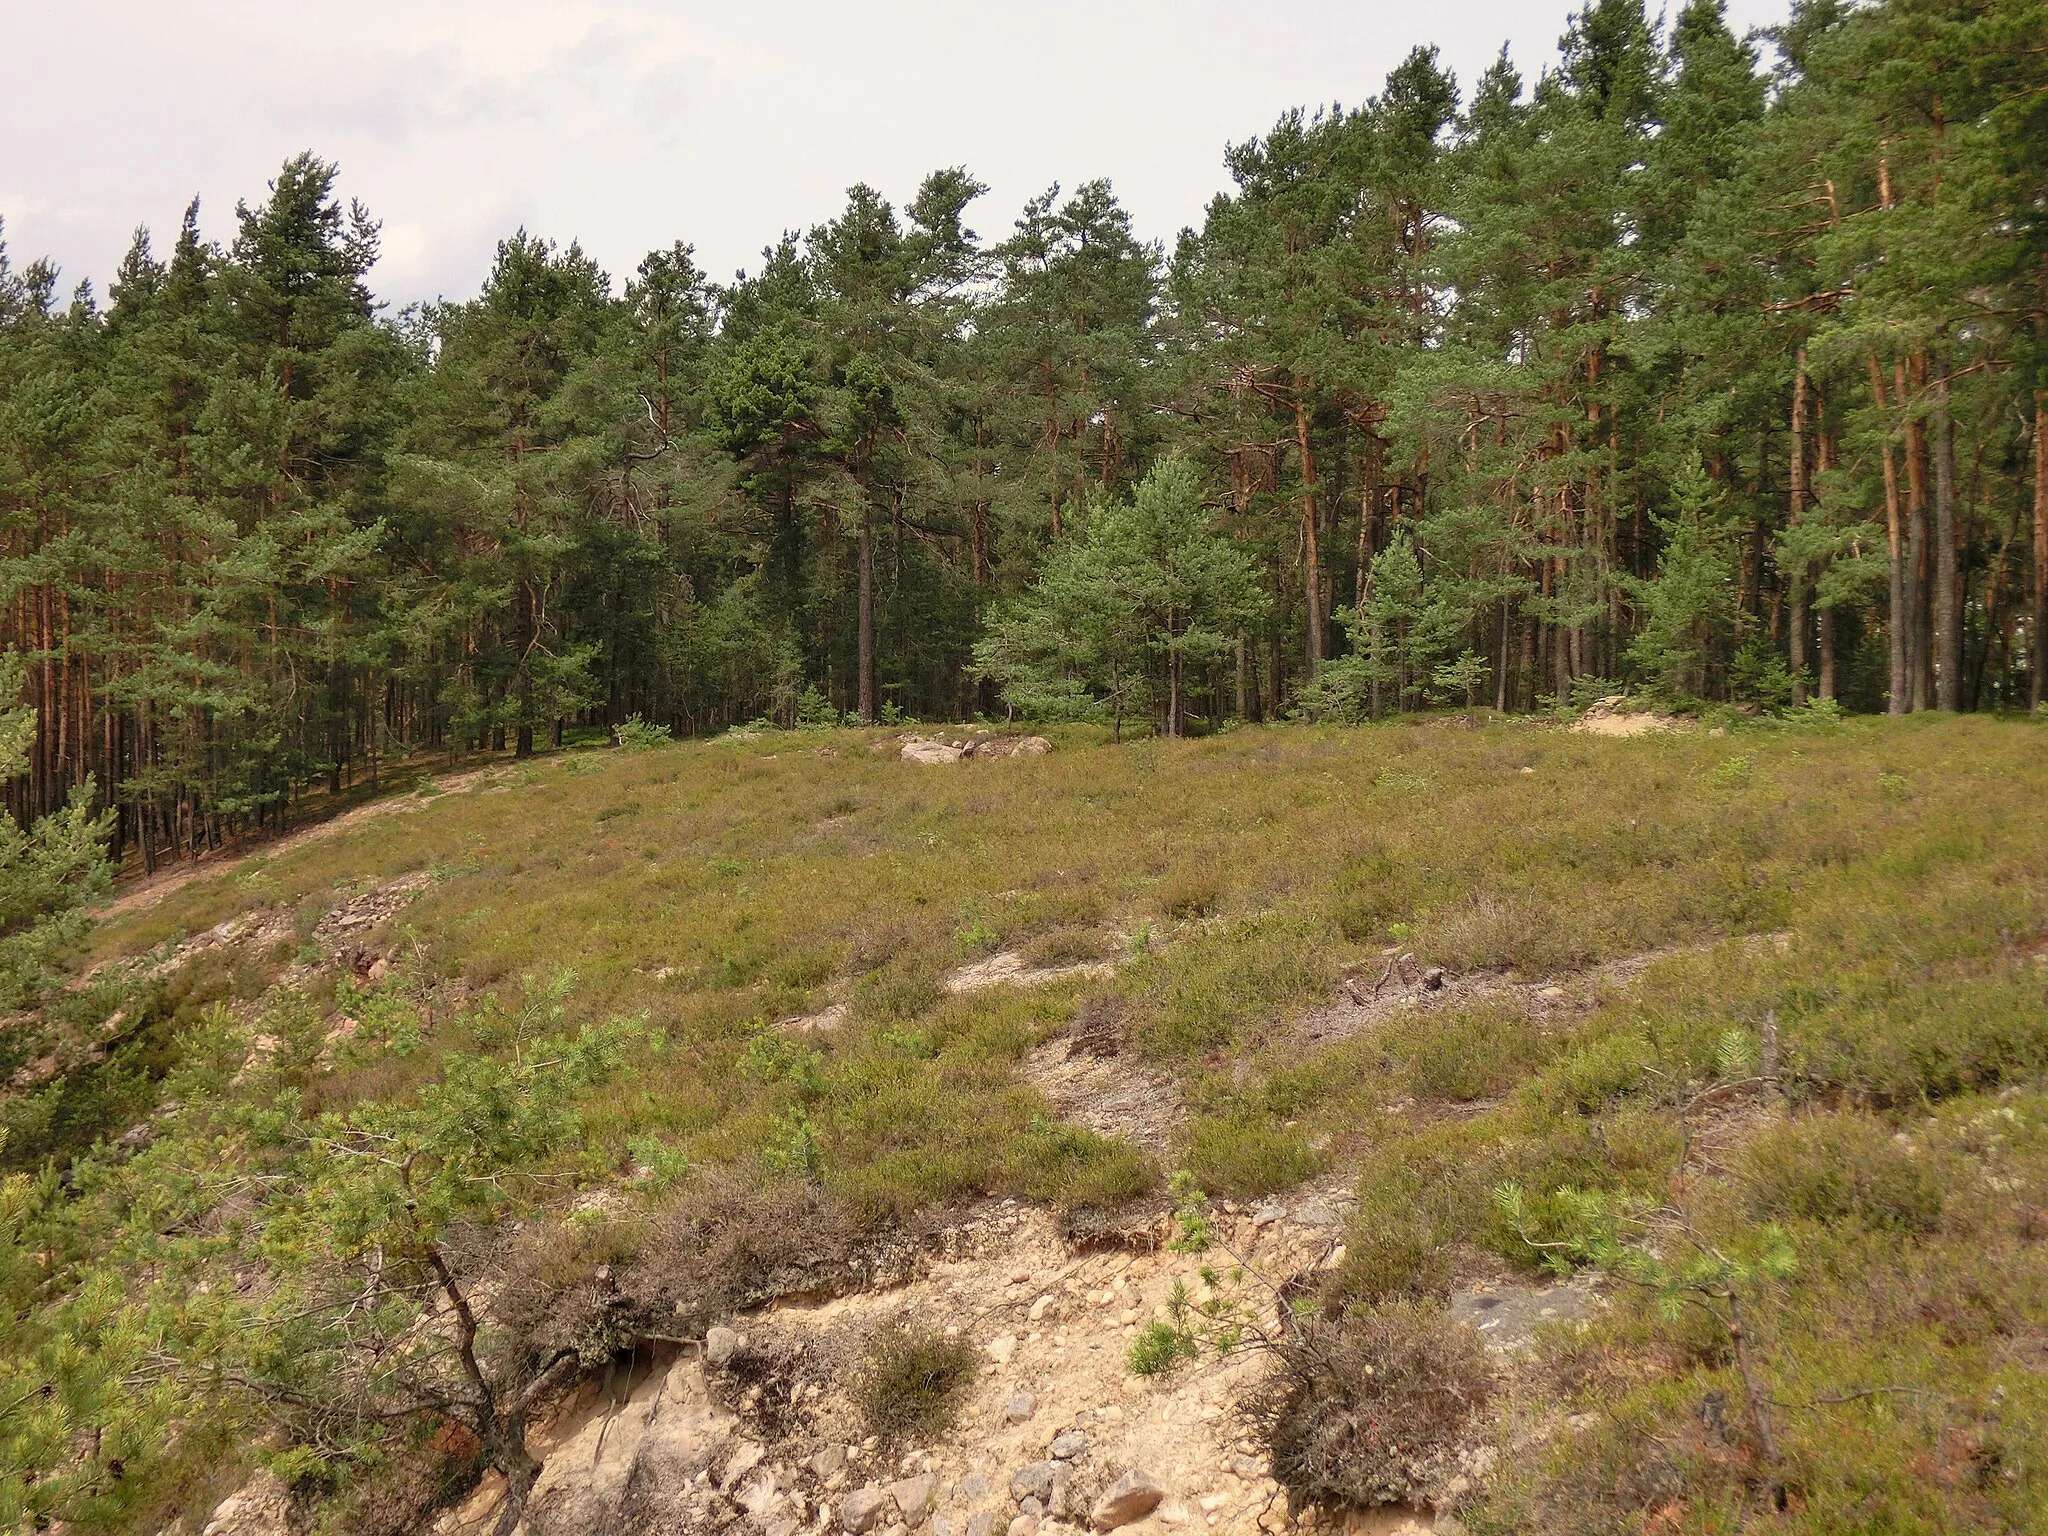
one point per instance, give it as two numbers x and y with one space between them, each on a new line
1840 1167
1242 1157
912 1380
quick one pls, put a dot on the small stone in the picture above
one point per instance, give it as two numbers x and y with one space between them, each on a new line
973 1489
1433 979
913 1496
983 1524
1030 1506
1020 1406
1211 1502
1032 1482
1551 992
1066 1446
1266 1215
1130 1316
759 1497
720 1343
864 1508
1058 1504
1002 1348
1131 1497
1040 1307
743 1461
829 1460
942 1525
1024 1525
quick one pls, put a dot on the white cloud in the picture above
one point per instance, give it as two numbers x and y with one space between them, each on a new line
632 123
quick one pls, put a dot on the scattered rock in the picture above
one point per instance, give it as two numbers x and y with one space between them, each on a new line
1021 1404
1131 1497
829 1460
983 1524
743 1461
913 1496
1266 1215
864 1508
1024 1525
260 1507
1069 1444
1009 746
1032 1482
918 750
1001 1349
719 1344
1010 968
1507 1316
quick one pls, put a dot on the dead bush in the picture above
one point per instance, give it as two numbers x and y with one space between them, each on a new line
912 1380
1100 1027
764 1380
729 1243
1066 946
1369 1408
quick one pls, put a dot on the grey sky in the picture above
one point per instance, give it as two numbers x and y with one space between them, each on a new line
632 123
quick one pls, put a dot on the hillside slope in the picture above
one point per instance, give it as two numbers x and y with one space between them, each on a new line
1744 1036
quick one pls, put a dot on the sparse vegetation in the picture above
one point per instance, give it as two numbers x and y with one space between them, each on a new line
739 1151
911 1381
1370 1408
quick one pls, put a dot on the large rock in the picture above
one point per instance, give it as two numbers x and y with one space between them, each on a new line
260 1507
1010 746
913 1496
1033 1482
608 1465
918 750
865 1508
1131 1497
720 1343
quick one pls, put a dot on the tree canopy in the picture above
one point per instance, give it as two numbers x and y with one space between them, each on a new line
1706 364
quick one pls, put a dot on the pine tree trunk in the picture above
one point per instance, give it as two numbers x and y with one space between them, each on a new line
1312 576
1920 661
1795 581
2037 673
865 706
1899 698
1948 615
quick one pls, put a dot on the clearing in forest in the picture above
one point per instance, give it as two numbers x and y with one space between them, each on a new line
1721 1029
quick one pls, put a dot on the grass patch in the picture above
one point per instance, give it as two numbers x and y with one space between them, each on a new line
912 1380
1875 894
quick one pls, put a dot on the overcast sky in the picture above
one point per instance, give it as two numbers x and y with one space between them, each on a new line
631 123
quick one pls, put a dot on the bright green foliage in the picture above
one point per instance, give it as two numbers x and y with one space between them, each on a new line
49 871
1690 608
1125 609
